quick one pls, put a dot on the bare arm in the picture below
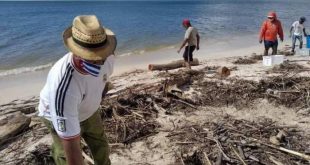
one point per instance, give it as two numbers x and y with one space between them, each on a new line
262 32
291 31
106 89
183 44
281 33
198 41
305 33
73 151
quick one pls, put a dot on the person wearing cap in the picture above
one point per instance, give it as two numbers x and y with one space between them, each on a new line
299 29
71 97
191 42
269 31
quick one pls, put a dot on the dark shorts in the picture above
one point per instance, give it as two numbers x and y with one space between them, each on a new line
188 53
270 44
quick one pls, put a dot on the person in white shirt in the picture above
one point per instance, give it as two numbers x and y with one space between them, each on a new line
299 29
191 42
71 97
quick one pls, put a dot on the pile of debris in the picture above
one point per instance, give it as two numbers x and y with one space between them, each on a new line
283 90
129 115
286 91
257 57
287 51
231 141
244 61
249 60
287 67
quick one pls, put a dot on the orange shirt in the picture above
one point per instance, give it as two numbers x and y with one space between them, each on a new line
270 30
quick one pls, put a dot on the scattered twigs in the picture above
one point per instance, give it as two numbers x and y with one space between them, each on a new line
88 158
186 103
184 143
219 158
175 134
273 159
221 149
236 153
181 159
235 145
301 155
208 162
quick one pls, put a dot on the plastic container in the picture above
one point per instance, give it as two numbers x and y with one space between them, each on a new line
277 59
267 60
308 41
273 60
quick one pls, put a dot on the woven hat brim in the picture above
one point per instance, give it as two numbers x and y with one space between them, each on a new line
100 53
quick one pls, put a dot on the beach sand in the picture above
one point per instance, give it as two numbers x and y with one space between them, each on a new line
27 85
130 72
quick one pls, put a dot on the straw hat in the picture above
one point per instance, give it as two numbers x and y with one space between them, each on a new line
87 39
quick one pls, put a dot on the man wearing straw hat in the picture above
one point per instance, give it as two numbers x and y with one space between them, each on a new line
71 97
191 40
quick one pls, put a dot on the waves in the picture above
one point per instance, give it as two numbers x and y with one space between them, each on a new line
22 70
16 71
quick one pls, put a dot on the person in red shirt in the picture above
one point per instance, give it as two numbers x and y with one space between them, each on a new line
269 31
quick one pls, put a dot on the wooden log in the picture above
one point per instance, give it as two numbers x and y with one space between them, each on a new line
12 125
172 65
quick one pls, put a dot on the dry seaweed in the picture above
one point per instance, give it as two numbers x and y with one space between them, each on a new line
130 115
244 61
286 67
230 141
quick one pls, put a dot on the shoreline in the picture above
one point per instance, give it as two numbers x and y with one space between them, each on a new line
29 84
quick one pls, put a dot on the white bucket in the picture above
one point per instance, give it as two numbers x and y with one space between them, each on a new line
273 60
277 59
267 60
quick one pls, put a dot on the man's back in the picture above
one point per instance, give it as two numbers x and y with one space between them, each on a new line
191 34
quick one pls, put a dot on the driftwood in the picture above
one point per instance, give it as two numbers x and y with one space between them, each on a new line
236 153
88 158
12 124
273 159
172 65
208 162
301 155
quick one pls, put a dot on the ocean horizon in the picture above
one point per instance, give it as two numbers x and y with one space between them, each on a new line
31 31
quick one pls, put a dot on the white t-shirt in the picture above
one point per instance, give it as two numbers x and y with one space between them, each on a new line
298 28
70 97
191 34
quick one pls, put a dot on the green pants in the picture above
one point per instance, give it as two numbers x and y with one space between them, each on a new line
92 132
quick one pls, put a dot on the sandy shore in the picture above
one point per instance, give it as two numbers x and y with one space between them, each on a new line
176 125
26 85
